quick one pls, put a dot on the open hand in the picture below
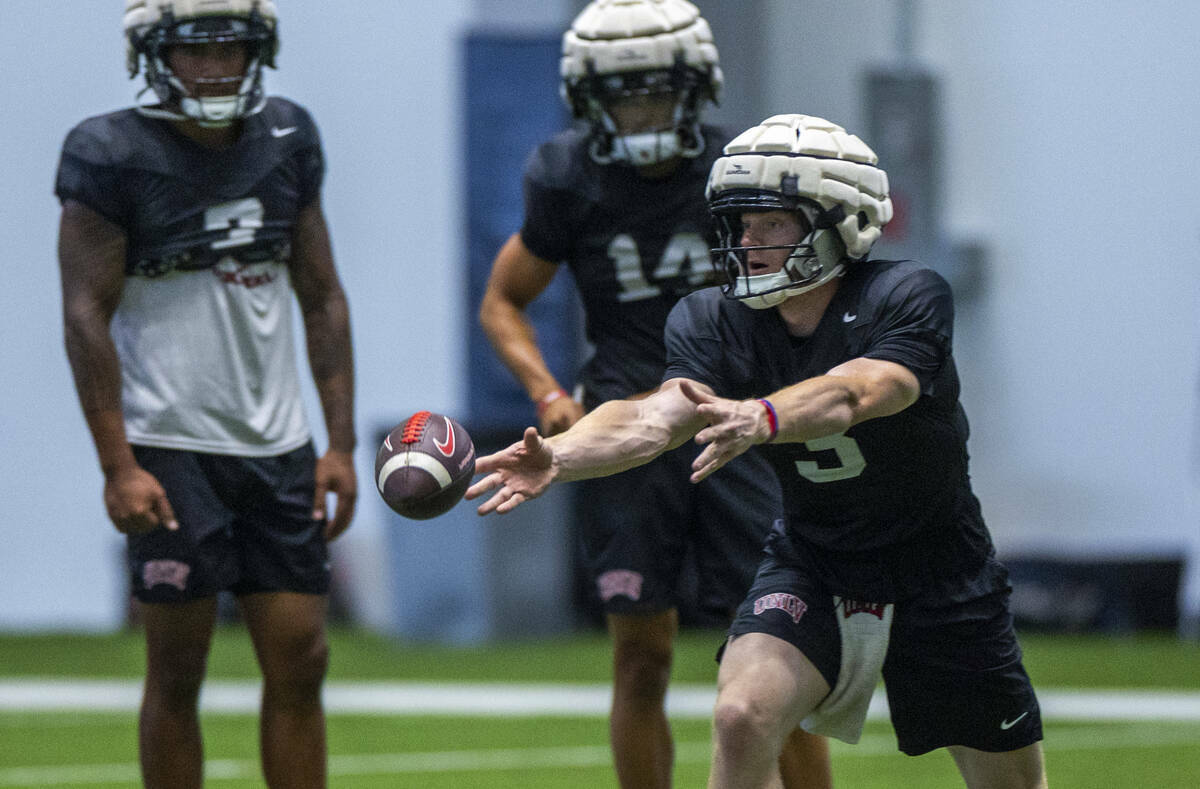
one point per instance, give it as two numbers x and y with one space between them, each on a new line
519 473
733 427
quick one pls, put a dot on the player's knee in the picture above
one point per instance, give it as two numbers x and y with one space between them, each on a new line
300 671
311 664
642 672
174 678
739 725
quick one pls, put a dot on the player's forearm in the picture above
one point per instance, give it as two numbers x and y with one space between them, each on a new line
815 408
619 435
852 392
96 370
515 342
331 358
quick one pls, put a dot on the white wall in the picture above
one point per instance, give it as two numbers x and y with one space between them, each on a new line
1073 161
1070 150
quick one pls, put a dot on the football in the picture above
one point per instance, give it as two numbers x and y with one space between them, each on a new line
425 465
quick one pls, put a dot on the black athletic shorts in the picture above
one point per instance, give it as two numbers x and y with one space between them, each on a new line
637 527
953 670
245 525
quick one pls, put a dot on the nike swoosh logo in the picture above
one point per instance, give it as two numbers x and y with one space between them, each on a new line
1006 725
447 448
387 442
848 318
278 132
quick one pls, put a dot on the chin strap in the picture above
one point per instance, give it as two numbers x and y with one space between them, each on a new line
213 112
156 111
645 149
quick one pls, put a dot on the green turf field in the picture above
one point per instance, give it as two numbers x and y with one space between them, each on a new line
97 749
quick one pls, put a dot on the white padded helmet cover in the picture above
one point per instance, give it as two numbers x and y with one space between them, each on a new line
639 35
140 15
830 167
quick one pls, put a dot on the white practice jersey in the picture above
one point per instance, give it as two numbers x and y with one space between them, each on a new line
208 361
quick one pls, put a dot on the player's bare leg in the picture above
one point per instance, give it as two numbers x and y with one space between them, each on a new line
1023 768
639 731
169 742
288 631
764 689
804 762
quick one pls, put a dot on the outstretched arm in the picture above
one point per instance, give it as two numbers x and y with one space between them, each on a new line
618 435
852 392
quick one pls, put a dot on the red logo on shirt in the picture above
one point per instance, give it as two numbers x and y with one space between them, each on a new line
248 275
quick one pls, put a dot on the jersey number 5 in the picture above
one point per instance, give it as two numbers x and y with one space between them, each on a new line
682 252
838 447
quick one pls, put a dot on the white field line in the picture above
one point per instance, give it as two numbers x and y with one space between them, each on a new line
516 700
1128 737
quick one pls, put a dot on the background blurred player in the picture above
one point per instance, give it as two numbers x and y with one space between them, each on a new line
841 371
186 226
620 199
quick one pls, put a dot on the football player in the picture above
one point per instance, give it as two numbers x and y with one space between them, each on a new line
839 369
619 199
187 223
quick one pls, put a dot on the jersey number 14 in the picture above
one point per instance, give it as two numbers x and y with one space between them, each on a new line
678 259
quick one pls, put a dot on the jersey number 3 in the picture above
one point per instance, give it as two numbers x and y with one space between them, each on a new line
837 457
242 218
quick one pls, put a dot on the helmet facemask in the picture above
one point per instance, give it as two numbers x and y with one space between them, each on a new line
679 137
245 96
815 259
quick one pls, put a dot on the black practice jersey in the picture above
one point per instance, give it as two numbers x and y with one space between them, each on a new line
634 245
186 207
893 487
203 329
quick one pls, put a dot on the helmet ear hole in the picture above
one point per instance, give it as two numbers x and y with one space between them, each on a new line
863 220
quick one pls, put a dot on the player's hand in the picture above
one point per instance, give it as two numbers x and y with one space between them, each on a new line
559 416
733 427
136 502
335 474
517 474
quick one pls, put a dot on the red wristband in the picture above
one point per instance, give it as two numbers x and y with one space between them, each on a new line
772 418
546 400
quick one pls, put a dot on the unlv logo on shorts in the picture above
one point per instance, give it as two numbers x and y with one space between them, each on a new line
165 571
788 603
619 582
